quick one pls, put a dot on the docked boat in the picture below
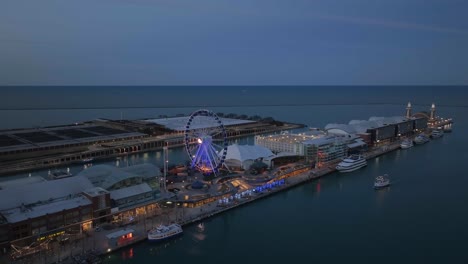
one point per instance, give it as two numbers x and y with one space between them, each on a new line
163 232
88 160
59 174
381 181
351 163
437 133
421 139
406 144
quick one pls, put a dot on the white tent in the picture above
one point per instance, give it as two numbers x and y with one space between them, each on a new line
242 156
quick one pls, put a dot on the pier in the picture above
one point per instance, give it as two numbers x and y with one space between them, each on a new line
105 233
97 242
31 149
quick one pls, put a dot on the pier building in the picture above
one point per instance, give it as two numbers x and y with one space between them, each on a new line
72 206
379 130
241 157
128 186
33 148
316 147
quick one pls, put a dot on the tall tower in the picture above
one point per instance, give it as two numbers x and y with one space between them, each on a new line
408 110
432 112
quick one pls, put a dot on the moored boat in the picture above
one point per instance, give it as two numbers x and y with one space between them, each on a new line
163 232
421 139
406 144
87 160
437 133
351 163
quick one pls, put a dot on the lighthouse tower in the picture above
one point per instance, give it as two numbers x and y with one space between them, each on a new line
408 110
432 117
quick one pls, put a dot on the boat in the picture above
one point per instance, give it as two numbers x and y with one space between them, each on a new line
351 163
59 174
406 144
448 129
87 160
381 181
421 139
437 133
163 232
201 227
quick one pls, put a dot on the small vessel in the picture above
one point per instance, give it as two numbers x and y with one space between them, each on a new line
437 133
351 163
87 160
406 144
59 174
163 232
421 139
201 227
448 129
381 181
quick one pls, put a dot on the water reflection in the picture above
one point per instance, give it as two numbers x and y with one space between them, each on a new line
380 196
127 254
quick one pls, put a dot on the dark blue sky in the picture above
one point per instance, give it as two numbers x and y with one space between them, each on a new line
241 42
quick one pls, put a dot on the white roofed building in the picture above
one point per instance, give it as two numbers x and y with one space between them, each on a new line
32 207
286 142
242 156
35 208
127 186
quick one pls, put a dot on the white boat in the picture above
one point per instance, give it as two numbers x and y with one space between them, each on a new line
381 181
437 133
201 227
351 163
421 139
87 160
163 232
406 144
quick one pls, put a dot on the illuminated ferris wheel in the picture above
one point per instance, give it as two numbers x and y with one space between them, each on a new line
205 141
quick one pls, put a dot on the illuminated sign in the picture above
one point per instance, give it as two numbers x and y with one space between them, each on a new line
50 236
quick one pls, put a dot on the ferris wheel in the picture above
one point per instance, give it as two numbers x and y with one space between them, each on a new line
205 141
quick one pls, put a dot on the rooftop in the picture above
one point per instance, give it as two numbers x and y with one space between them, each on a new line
130 191
179 123
40 192
105 176
22 213
247 152
293 138
21 139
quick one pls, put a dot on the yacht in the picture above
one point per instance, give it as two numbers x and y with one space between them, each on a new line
437 133
406 143
351 163
163 232
381 181
421 139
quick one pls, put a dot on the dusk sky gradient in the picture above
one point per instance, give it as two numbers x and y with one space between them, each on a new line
241 42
